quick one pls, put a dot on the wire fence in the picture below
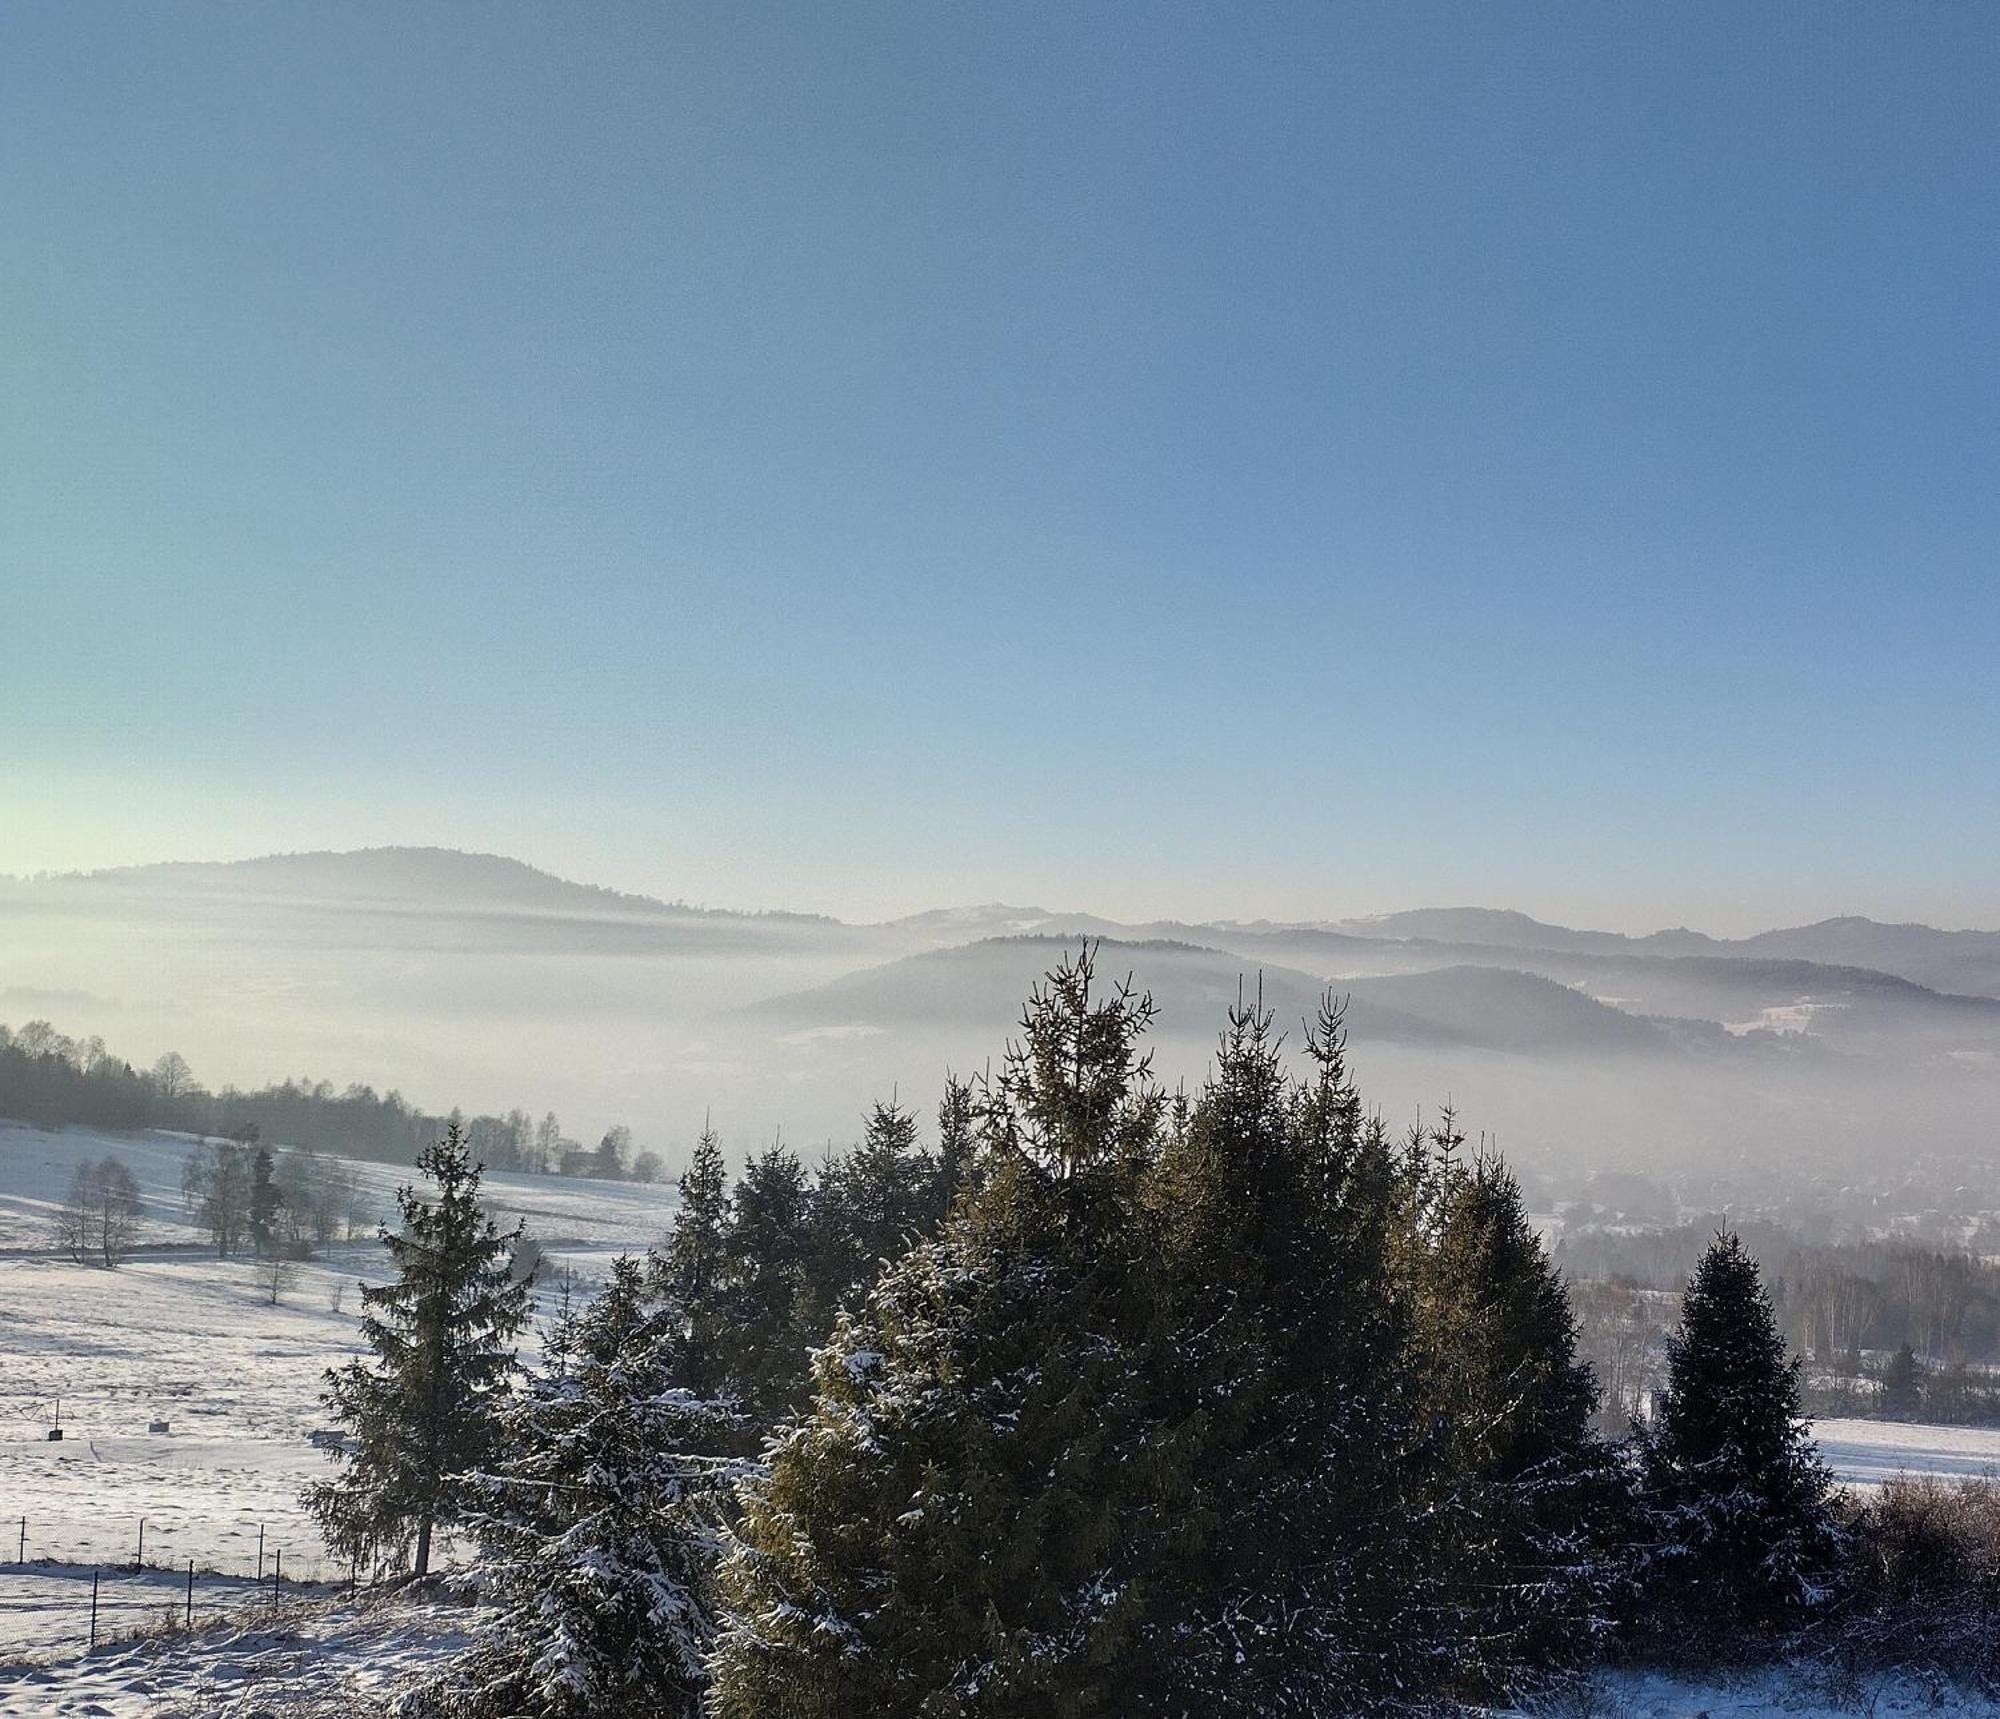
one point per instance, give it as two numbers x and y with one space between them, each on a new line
50 1600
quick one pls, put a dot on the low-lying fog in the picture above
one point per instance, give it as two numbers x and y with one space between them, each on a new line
473 981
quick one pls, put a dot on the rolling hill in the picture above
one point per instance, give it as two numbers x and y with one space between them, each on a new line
478 980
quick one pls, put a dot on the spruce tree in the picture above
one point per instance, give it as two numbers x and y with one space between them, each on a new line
766 1249
1738 1494
957 1142
886 1190
1529 1508
423 1412
971 1519
1903 1383
595 1528
263 1201
867 1208
692 1272
1294 1586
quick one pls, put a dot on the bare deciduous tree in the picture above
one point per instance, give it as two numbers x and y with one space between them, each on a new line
101 1212
217 1177
72 1219
278 1273
172 1075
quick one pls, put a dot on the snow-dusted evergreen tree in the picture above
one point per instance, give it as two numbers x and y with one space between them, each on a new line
1903 1384
693 1271
1738 1493
878 1200
1530 1504
957 1142
1294 1591
423 1412
972 1517
596 1529
264 1201
766 1248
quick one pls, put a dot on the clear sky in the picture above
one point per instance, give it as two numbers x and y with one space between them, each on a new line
1222 459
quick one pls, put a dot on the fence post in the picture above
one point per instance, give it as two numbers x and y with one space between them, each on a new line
260 1551
277 1575
23 1554
190 1604
139 1563
93 1608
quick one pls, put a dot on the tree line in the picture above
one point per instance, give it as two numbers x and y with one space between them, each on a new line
1114 1401
53 1080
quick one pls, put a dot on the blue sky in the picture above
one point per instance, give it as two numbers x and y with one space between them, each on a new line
1207 459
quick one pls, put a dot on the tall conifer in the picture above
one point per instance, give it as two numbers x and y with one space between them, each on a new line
1529 1507
766 1247
1294 1591
692 1271
1739 1494
423 1412
969 1521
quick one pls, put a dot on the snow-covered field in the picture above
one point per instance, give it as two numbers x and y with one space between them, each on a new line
314 1660
175 1334
190 1340
36 1165
1781 1692
1868 1453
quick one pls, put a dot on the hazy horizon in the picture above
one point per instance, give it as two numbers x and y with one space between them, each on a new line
462 979
1550 909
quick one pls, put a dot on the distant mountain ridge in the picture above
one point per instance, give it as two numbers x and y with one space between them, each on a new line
395 876
1483 1008
419 880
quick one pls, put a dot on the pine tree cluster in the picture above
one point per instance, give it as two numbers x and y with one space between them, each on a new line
1115 1402
1222 1405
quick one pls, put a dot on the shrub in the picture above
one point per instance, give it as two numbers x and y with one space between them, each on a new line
1923 1580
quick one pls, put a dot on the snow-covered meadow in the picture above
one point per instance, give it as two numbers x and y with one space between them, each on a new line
177 1335
36 1165
1868 1453
308 1660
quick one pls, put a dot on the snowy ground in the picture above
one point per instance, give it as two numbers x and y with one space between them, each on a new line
45 1607
342 1659
1867 1453
174 1334
314 1660
183 1338
1778 1693
36 1165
